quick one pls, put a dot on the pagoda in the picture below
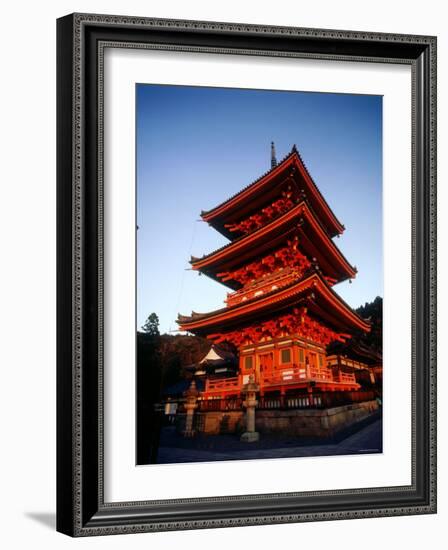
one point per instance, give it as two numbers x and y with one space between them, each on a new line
281 266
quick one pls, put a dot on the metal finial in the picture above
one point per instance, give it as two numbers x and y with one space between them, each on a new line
273 157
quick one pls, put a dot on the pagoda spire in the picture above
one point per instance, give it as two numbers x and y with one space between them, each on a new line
273 157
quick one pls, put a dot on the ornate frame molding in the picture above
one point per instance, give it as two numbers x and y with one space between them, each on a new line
81 42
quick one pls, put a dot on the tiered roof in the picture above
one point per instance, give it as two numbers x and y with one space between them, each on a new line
313 289
299 220
291 169
260 226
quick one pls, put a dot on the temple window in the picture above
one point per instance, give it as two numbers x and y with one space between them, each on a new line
301 356
248 362
285 356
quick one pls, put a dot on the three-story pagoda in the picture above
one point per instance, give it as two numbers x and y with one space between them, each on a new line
281 265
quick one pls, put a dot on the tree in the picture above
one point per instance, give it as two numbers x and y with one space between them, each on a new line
149 379
373 311
151 325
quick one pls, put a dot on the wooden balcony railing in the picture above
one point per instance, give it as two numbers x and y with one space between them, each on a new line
335 360
320 373
222 384
289 401
284 377
221 405
347 377
295 402
265 285
297 374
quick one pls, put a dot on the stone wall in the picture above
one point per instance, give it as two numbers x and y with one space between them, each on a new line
295 422
221 422
313 422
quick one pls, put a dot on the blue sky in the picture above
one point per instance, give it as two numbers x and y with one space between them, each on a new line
198 146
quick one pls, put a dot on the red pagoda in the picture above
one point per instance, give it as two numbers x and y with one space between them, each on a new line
281 266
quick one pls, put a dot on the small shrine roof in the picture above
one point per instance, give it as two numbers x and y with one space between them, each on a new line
217 356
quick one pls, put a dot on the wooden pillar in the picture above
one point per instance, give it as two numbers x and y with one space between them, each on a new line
282 397
309 389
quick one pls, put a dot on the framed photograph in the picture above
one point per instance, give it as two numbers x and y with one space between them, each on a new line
246 274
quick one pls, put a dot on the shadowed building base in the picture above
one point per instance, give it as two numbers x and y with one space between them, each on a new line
363 438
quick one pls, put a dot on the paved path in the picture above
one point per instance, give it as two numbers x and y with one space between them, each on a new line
367 440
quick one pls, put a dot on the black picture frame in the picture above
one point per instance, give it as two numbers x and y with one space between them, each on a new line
81 510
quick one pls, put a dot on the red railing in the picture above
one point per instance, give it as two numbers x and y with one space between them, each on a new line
320 373
338 398
284 377
250 292
297 374
338 360
314 400
228 404
346 377
288 401
222 384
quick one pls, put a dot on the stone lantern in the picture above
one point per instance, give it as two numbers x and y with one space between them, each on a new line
190 405
250 391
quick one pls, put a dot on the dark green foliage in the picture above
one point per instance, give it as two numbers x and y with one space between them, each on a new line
151 325
373 311
366 347
160 362
178 351
149 380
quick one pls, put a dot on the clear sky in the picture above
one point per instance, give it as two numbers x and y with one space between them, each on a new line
198 146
